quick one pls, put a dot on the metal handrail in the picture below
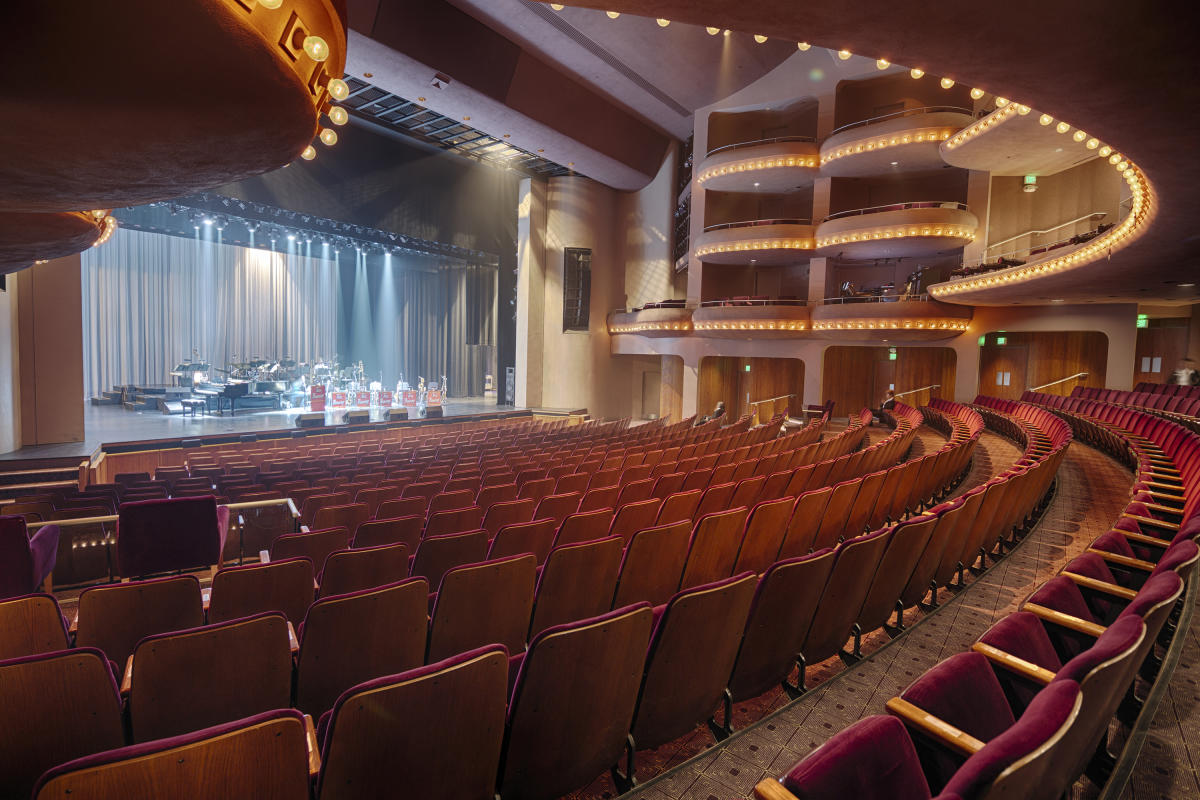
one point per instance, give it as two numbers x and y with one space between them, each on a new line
1060 380
914 391
907 112
66 523
1096 214
773 140
771 301
833 301
1041 248
773 399
947 204
753 223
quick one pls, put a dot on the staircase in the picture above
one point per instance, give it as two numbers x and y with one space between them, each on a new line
37 476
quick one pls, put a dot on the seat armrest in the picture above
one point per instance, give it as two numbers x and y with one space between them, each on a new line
314 748
1015 665
772 789
1124 561
127 679
933 727
1112 589
1151 521
1141 538
293 642
1067 621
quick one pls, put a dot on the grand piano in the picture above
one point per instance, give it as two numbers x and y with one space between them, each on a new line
231 391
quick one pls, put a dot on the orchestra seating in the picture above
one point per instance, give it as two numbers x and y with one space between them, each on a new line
768 552
1028 709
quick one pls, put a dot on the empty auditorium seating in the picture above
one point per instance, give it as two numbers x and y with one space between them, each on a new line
25 562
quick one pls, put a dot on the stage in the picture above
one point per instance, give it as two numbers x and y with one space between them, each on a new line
114 424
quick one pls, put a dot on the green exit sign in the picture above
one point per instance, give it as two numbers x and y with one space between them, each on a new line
1001 340
982 341
1143 321
747 368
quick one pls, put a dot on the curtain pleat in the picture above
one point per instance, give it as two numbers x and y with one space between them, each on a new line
150 300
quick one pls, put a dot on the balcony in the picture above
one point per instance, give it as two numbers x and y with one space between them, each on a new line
908 319
751 318
770 242
656 320
902 230
1013 140
906 141
766 165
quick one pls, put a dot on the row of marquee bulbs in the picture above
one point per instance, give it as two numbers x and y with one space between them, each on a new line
338 90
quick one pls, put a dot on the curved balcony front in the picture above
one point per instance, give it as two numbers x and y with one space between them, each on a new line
673 321
770 242
904 320
903 230
767 165
751 319
906 141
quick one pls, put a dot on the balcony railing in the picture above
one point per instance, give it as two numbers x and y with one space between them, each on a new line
877 298
757 142
753 301
908 112
754 223
947 204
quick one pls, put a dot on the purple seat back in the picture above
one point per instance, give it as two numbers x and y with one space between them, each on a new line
425 729
264 756
55 707
347 639
563 733
25 563
873 759
680 690
166 535
1015 762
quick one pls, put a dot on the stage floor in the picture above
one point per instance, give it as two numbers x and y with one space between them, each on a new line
111 424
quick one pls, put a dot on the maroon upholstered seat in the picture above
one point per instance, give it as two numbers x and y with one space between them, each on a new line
653 564
167 535
285 586
873 759
484 603
577 582
54 707
264 756
190 679
348 571
31 624
25 563
437 554
562 733
535 537
351 638
115 618
431 732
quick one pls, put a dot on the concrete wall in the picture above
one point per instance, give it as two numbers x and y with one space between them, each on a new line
645 226
10 382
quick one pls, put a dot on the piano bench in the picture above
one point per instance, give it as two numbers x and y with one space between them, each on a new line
191 404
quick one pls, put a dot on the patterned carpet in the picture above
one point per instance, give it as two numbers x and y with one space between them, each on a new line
1092 490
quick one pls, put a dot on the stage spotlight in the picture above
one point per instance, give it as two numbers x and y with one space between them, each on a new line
291 237
208 221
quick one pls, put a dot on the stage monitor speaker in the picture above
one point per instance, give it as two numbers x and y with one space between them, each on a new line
360 417
394 414
313 420
433 412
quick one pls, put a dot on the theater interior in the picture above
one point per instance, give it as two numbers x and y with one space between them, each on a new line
666 400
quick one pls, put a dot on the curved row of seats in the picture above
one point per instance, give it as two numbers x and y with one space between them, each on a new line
1028 709
754 655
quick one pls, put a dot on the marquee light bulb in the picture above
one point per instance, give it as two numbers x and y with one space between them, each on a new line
557 6
1045 119
882 63
338 89
1093 143
1104 151
844 54
309 153
758 37
662 23
802 46
713 31
916 73
338 115
328 137
1001 102
947 83
271 4
976 94
316 48
1062 127
613 14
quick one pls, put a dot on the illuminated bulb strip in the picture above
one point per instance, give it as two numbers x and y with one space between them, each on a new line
874 143
641 327
755 164
899 232
110 227
997 117
754 325
1140 213
755 244
955 324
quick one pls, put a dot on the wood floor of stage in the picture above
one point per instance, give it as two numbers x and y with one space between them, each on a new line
114 424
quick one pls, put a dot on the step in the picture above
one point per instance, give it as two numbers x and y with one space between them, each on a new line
19 489
32 476
105 401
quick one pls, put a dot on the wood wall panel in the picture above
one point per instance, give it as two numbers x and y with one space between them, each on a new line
1166 339
1036 358
670 400
857 377
50 323
725 378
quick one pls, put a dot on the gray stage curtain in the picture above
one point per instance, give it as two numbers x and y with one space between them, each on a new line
446 325
150 299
